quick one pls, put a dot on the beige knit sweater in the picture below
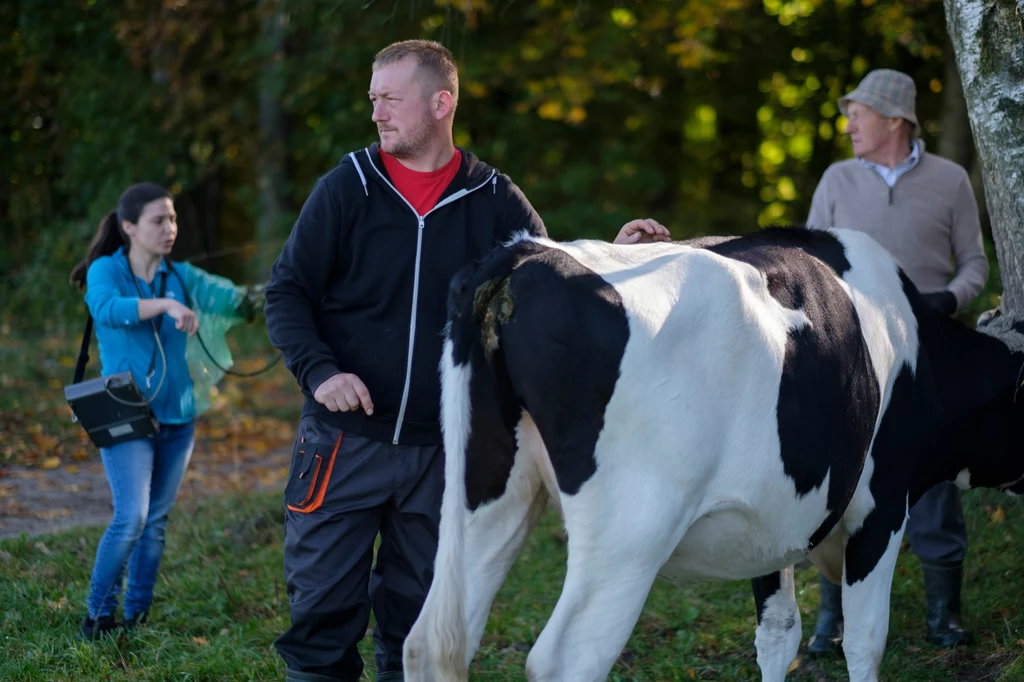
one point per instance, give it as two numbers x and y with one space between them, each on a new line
927 217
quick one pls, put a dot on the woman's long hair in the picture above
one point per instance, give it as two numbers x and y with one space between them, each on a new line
111 235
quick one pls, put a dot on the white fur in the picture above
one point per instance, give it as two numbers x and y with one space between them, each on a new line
866 614
436 647
777 639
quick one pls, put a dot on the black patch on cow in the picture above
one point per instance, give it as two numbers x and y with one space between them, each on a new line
896 452
822 245
490 451
764 587
463 327
563 347
829 396
975 418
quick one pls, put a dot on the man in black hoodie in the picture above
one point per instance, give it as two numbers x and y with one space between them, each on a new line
356 303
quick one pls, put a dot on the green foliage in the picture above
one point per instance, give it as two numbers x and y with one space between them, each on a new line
709 116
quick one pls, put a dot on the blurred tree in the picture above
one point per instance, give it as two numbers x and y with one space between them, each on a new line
709 115
273 133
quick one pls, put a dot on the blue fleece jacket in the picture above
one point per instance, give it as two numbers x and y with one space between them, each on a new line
126 343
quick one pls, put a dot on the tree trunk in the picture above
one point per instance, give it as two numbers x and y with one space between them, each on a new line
273 137
978 185
955 142
988 36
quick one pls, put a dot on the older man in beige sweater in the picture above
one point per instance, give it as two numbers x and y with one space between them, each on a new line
922 209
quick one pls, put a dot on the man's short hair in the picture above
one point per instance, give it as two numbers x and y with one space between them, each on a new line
435 63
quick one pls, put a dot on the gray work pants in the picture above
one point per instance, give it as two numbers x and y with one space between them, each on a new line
342 491
936 527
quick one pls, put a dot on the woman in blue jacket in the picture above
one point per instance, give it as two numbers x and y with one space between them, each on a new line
135 293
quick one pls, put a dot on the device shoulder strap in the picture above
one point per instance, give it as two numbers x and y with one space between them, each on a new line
83 353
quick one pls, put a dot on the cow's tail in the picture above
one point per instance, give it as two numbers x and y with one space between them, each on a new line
438 643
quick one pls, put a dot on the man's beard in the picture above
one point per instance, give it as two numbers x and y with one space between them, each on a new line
411 146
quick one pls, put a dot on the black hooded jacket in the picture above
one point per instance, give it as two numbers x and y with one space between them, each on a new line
361 286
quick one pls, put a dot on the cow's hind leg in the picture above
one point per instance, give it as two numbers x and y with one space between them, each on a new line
496 531
778 624
478 544
614 558
867 582
492 537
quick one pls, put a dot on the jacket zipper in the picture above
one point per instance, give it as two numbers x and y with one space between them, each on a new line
420 223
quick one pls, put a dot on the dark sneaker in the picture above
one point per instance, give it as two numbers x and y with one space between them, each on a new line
93 629
136 620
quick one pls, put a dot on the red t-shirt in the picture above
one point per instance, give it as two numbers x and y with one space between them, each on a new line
421 189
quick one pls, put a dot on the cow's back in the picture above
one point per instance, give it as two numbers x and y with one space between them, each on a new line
769 376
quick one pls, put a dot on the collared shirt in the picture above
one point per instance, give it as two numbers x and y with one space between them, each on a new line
891 175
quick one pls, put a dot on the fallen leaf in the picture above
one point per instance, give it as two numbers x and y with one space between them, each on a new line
57 605
913 649
42 548
46 442
224 632
998 516
50 463
200 641
72 469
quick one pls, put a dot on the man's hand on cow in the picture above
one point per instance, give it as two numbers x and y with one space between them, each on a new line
344 393
642 231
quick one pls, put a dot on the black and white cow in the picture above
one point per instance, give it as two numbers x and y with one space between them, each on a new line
706 410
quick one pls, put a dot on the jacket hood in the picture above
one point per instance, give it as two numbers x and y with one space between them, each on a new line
368 164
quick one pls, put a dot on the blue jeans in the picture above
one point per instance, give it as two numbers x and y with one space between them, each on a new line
144 477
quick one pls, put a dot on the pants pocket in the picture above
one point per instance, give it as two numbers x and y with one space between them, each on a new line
312 463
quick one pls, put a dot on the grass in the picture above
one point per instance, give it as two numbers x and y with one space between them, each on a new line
221 602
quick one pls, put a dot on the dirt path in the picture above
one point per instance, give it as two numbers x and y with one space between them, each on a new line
34 500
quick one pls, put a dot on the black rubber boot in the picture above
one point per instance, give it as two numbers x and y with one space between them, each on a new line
828 633
942 593
93 629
